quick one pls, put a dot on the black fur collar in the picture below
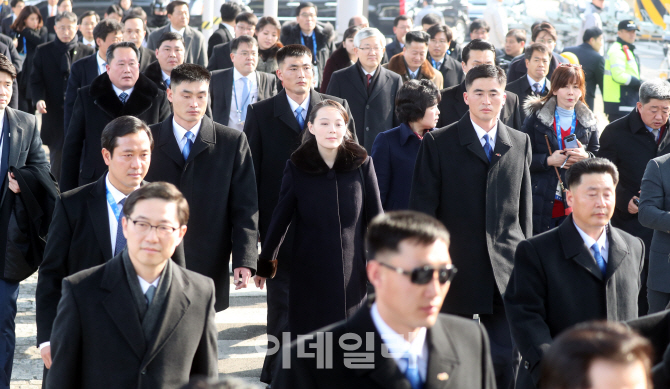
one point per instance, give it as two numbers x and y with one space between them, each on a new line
144 93
350 157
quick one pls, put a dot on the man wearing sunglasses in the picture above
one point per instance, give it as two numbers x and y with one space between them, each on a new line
402 338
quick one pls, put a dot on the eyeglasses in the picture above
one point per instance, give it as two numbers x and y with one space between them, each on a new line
368 48
144 227
570 65
424 274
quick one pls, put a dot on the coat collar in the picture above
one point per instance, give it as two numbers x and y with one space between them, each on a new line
155 74
350 156
283 110
468 137
143 96
546 111
398 65
168 144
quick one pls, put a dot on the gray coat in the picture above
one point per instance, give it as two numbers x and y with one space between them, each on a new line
653 213
194 44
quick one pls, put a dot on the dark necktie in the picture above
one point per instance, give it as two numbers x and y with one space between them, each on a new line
120 239
369 77
487 147
149 294
123 97
538 89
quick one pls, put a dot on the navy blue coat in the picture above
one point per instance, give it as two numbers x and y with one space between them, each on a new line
540 122
394 152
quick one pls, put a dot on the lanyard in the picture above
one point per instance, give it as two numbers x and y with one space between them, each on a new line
244 104
557 127
434 63
25 49
302 41
115 207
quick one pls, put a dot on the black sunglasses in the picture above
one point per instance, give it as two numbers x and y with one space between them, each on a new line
424 274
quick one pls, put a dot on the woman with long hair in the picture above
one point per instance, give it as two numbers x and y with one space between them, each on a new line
329 191
563 131
267 35
30 32
341 58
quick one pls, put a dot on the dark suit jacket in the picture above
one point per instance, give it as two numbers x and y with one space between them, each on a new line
517 68
373 110
454 182
223 207
97 327
324 46
155 74
393 48
96 106
452 108
523 90
458 357
146 58
274 134
219 36
78 240
221 92
220 58
48 82
452 71
6 25
593 65
194 44
656 328
82 73
556 283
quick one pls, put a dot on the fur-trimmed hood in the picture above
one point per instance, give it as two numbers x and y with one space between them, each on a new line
546 110
350 156
145 92
397 65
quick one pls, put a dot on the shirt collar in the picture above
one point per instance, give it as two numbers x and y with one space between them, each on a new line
116 194
145 285
294 105
237 75
533 82
119 91
480 132
87 42
397 344
603 244
651 129
230 29
180 131
100 60
180 32
165 76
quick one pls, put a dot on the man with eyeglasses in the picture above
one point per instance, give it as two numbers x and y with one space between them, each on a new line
48 82
245 25
535 84
402 340
411 63
139 320
583 270
438 46
369 88
543 33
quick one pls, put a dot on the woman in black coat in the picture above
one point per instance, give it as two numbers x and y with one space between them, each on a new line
562 109
341 58
330 193
30 32
394 151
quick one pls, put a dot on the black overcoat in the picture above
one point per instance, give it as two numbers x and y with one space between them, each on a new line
82 73
96 106
452 71
219 183
331 209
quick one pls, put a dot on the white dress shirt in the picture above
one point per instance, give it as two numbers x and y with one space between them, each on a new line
53 11
113 223
230 29
414 74
398 346
533 82
493 134
145 285
119 91
304 105
180 133
165 76
603 243
236 120
180 32
101 64
87 42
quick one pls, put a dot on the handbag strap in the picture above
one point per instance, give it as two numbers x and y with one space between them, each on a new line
546 138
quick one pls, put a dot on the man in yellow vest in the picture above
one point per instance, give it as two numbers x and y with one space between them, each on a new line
622 73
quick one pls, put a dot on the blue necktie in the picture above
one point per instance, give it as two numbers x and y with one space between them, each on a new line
487 147
187 147
599 258
123 97
149 294
120 239
245 97
167 82
301 121
412 371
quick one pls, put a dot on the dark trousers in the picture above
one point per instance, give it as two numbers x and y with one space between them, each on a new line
658 301
55 153
503 352
9 293
277 319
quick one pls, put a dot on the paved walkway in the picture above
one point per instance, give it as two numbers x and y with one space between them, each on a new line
241 329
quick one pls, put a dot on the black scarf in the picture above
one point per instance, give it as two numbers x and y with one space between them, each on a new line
66 51
268 53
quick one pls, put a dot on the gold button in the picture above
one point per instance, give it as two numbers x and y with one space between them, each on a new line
443 376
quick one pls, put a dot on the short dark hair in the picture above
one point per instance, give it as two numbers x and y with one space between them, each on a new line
305 4
477 45
114 9
387 230
7 66
575 350
138 12
292 51
540 47
87 14
416 36
350 32
168 37
106 27
174 4
592 32
71 16
247 17
120 127
235 43
14 3
134 15
158 190
267 20
189 72
229 10
546 27
438 28
479 23
590 166
431 19
399 18
518 34
486 71
118 45
413 99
